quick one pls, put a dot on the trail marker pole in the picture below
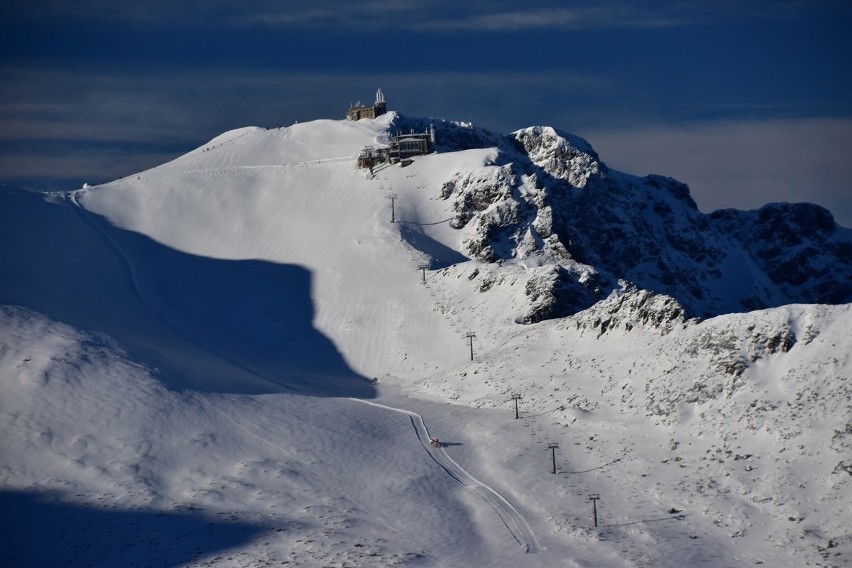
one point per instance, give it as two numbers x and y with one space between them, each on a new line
470 335
552 446
423 267
594 499
392 197
516 397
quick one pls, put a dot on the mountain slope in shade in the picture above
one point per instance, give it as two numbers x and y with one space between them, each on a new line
239 356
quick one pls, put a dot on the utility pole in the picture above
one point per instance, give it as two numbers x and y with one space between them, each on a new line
392 197
552 447
594 499
470 335
516 397
423 267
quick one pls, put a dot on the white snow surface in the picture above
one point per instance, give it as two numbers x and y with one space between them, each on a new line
235 359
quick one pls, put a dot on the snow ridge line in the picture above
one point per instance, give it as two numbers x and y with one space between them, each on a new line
511 517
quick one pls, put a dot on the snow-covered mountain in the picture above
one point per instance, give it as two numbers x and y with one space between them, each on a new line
238 359
547 192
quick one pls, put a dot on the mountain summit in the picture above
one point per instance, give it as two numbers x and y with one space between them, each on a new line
244 355
547 194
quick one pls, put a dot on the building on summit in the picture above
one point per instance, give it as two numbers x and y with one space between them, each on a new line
402 146
401 149
412 144
359 111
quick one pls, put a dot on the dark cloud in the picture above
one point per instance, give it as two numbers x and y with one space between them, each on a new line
96 90
432 16
101 126
172 105
96 126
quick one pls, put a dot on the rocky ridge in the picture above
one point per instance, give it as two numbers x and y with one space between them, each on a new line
548 195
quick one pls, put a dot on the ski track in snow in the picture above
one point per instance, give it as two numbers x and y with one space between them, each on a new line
247 168
695 465
514 521
511 518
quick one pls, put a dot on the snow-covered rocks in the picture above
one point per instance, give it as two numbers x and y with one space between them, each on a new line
547 192
559 154
252 285
629 307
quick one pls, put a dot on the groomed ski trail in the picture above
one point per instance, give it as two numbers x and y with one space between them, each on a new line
512 519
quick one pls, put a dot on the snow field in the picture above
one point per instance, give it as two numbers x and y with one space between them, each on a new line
265 462
239 295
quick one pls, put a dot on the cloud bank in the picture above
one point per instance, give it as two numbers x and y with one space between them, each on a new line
433 16
743 164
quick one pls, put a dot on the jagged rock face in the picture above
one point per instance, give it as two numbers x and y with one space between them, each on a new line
798 246
548 193
557 291
646 231
560 155
484 201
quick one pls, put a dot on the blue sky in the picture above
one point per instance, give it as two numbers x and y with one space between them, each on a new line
747 102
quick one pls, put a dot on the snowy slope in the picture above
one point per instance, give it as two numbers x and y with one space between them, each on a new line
238 356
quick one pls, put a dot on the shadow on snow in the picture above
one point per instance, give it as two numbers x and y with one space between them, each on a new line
205 324
37 530
439 255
